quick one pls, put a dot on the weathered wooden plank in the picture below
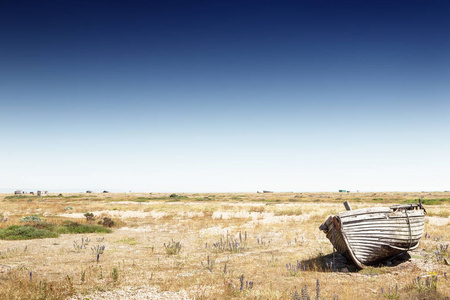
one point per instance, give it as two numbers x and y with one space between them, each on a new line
394 226
370 248
375 232
374 221
381 252
384 237
361 253
382 216
385 233
381 236
402 230
364 211
383 221
377 248
358 242
385 211
338 239
367 258
347 206
390 245
374 250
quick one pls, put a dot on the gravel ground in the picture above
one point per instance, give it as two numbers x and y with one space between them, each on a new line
134 293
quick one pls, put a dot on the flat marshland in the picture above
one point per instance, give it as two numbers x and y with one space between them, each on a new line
206 246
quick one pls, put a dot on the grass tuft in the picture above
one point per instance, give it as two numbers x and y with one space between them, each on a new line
172 247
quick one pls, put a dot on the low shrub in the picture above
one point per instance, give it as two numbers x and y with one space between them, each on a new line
430 201
42 225
175 197
40 230
142 199
106 222
17 232
74 227
29 219
89 216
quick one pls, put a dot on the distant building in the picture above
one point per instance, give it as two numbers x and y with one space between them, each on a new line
267 191
88 192
342 191
105 192
19 192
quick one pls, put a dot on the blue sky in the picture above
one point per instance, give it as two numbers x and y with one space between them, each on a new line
211 96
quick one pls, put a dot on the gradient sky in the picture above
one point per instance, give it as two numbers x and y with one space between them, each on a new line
224 96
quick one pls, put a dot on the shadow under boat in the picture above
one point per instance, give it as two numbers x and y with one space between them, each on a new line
335 262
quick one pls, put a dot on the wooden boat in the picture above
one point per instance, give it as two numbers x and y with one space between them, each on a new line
369 235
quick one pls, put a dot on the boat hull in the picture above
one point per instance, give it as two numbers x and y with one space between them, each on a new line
369 235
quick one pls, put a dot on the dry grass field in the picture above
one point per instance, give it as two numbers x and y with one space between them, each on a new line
208 246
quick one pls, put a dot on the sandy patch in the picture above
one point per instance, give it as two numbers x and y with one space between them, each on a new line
280 219
146 228
225 215
260 217
216 230
438 221
118 214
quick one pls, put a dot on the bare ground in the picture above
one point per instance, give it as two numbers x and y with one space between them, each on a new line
279 230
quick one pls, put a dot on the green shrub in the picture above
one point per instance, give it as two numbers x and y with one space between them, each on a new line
431 201
43 225
40 230
74 227
16 232
89 216
174 197
204 199
17 197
